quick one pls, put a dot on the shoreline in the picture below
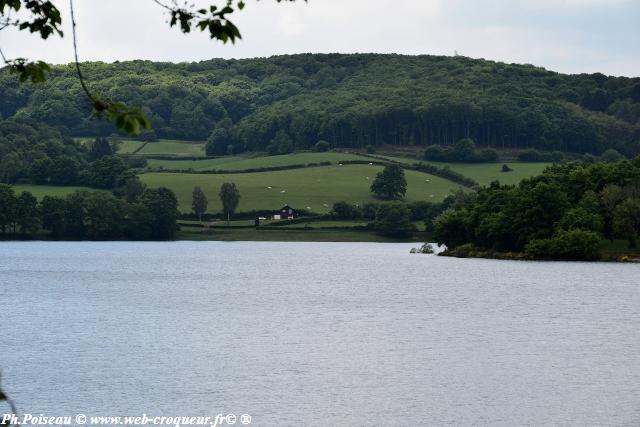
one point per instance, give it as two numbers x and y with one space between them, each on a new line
632 256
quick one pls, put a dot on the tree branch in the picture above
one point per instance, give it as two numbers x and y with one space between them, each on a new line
159 3
75 52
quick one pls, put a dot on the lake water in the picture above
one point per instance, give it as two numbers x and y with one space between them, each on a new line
317 334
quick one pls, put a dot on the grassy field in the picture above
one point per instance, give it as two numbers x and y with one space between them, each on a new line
289 235
309 188
39 191
244 162
485 173
128 146
325 223
169 147
328 224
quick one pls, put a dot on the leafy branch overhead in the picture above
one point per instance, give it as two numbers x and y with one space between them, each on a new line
45 19
34 71
214 19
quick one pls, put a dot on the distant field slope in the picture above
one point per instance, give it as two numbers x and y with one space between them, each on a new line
243 162
313 188
348 100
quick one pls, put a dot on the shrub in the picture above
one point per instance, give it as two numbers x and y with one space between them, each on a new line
464 150
444 172
426 248
611 155
556 156
576 244
137 162
580 218
506 168
463 251
421 210
434 153
321 146
369 211
530 155
280 144
452 228
344 210
393 219
488 155
218 142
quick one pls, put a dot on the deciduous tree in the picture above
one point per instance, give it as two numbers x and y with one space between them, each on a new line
230 197
390 183
198 202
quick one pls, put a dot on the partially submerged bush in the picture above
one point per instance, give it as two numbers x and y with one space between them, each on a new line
426 248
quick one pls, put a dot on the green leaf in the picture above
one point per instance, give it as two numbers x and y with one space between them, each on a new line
34 71
131 121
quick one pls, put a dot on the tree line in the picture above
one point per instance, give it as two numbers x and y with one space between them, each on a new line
36 153
146 214
229 196
564 213
289 102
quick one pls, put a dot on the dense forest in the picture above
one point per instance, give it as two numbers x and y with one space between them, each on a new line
37 153
149 214
562 214
347 100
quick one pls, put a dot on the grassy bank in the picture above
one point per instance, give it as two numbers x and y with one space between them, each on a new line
618 250
289 235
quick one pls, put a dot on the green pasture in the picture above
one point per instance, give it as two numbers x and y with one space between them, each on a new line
315 189
128 146
170 147
329 224
245 162
39 191
485 173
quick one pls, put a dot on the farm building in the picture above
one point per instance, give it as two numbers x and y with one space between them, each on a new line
285 212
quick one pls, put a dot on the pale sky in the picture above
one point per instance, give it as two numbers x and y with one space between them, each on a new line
570 36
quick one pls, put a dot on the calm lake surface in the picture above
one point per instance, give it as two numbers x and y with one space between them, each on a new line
317 334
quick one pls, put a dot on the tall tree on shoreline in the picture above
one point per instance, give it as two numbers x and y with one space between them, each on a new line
230 197
199 202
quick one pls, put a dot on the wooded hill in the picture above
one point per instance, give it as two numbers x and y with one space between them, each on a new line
348 100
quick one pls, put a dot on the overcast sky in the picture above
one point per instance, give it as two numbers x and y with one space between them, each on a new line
570 36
